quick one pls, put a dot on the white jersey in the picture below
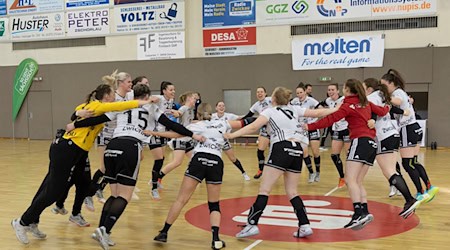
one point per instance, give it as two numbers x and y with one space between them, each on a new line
225 117
309 103
341 124
384 126
260 106
213 132
403 120
186 118
165 106
284 125
108 130
134 121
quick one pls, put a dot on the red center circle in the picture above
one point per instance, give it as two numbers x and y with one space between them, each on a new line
327 216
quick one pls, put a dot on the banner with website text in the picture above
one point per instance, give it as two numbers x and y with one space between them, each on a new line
338 52
289 12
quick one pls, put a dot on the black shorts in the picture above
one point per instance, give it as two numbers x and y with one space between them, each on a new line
157 142
103 139
389 145
286 156
122 158
410 135
182 145
205 166
343 135
314 135
362 150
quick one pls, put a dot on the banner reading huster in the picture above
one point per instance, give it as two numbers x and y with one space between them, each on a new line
22 81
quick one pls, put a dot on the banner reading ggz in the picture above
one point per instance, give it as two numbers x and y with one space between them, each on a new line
338 52
39 26
22 81
218 13
169 15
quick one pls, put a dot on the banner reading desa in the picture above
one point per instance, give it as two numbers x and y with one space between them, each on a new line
22 81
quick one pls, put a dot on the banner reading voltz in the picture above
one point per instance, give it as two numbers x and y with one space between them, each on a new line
87 22
149 17
43 26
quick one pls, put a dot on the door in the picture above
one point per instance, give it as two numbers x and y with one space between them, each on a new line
40 119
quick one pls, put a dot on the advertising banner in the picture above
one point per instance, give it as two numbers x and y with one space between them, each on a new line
2 7
40 26
338 52
219 13
4 34
23 7
22 81
230 42
72 4
117 2
162 45
87 22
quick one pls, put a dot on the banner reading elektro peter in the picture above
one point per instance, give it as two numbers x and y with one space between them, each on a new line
338 52
88 22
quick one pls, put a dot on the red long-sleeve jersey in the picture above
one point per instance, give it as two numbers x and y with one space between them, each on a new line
356 116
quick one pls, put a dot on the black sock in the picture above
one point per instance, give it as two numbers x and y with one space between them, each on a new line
117 207
300 211
105 210
422 172
257 209
166 228
317 163
398 181
308 164
215 233
408 165
237 163
157 165
261 158
398 168
338 163
161 175
365 208
357 206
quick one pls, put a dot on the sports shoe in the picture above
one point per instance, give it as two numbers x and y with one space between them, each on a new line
363 221
432 192
102 237
303 231
161 237
79 220
341 183
393 191
322 149
100 197
155 194
21 231
423 197
159 184
258 174
246 177
317 177
247 231
398 193
57 210
218 244
89 203
134 196
353 222
311 177
409 208
34 230
109 241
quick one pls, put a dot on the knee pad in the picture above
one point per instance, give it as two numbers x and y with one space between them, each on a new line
214 206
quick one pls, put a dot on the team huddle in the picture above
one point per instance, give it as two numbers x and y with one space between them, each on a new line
123 118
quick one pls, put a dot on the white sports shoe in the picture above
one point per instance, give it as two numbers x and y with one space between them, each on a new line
34 230
110 242
21 231
247 231
155 194
246 177
311 178
102 237
393 191
303 231
89 203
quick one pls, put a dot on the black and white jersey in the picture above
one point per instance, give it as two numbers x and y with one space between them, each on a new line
186 118
383 125
284 125
133 122
260 106
403 120
213 132
309 103
225 117
165 106
109 127
341 124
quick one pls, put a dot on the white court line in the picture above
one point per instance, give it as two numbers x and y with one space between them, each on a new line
332 191
253 245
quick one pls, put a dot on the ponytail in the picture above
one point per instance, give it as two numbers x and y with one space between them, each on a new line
357 88
393 76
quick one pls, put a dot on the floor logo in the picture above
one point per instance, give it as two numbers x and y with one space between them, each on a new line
327 215
337 10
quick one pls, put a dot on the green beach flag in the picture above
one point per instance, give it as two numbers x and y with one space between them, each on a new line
22 81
